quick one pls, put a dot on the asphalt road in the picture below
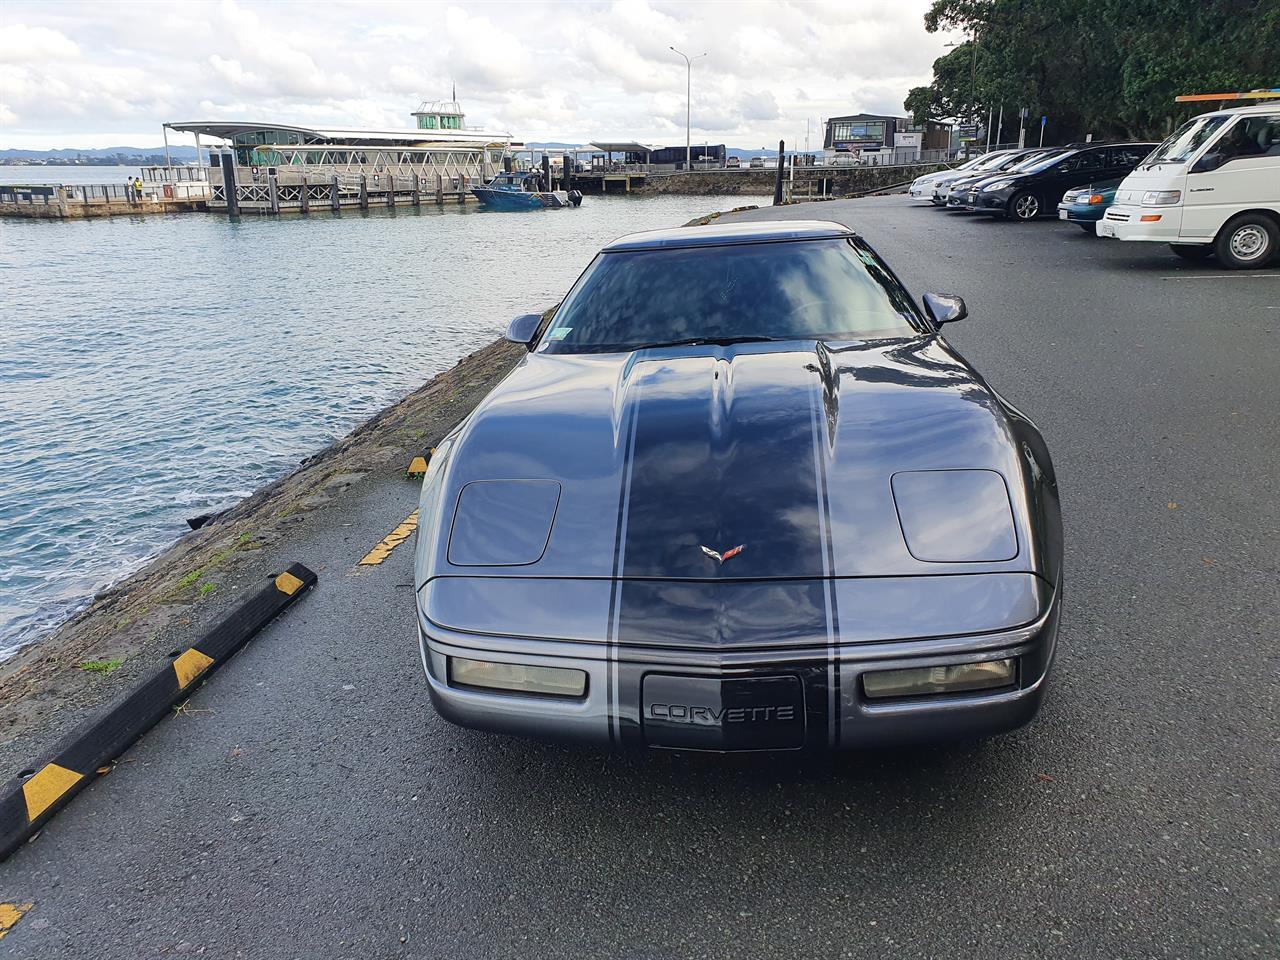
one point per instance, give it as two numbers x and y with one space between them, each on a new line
310 804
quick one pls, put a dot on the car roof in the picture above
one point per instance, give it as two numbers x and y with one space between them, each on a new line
723 234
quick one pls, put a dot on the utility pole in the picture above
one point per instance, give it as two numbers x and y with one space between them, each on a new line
973 75
688 94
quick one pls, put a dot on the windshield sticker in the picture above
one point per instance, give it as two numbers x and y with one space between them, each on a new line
559 333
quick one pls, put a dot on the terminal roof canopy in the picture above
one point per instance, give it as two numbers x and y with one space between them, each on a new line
229 130
625 146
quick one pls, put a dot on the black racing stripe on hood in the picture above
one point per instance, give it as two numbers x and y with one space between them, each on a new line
723 457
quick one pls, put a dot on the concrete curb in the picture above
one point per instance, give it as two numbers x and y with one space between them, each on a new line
25 810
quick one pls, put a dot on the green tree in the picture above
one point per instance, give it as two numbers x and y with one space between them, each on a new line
1106 67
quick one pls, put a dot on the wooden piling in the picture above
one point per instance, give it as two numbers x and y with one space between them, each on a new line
364 191
417 196
306 199
777 181
273 192
227 159
440 188
333 193
391 189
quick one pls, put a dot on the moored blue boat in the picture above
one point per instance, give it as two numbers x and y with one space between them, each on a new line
519 191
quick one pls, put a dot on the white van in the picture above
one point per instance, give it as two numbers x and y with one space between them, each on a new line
1212 188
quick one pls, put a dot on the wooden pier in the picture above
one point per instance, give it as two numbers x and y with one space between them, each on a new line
599 181
76 201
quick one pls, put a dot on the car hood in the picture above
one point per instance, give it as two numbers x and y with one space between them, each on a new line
790 451
1161 176
979 182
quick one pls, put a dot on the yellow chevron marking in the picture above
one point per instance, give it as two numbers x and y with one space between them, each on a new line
189 666
392 540
44 789
11 913
288 584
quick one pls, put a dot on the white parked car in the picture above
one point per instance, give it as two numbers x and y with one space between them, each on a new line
1212 188
922 187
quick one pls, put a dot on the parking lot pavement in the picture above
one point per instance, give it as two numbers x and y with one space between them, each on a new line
309 803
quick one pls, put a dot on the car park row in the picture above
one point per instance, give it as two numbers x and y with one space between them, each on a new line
1211 189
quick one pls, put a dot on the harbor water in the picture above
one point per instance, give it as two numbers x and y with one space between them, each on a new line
156 368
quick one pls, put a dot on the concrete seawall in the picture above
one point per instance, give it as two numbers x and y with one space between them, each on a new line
44 691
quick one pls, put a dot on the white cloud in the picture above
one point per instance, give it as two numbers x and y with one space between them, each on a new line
21 43
81 72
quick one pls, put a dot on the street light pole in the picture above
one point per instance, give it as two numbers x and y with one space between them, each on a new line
688 92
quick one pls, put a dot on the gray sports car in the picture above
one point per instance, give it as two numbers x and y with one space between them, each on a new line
740 495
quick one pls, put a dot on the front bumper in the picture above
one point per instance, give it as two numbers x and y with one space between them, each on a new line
629 698
997 201
1080 212
1123 222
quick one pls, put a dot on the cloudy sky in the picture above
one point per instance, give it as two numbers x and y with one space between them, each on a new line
94 73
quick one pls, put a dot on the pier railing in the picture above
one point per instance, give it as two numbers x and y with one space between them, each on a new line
73 200
315 190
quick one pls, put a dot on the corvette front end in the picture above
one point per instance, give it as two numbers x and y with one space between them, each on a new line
797 543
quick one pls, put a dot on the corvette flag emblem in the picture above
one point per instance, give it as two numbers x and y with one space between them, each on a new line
727 555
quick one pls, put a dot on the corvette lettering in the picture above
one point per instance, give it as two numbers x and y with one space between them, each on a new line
711 716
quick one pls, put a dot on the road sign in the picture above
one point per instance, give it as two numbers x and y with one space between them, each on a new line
1043 120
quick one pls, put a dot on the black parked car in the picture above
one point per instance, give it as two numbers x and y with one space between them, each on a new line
957 191
1036 189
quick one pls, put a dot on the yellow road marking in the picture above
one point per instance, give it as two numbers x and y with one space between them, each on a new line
11 913
288 584
44 789
189 666
392 540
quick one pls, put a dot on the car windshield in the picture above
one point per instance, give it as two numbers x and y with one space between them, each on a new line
995 160
1186 140
1039 161
834 289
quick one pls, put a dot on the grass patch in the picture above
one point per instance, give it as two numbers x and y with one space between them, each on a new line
100 666
206 589
190 578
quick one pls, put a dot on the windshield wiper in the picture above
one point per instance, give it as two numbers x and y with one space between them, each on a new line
701 341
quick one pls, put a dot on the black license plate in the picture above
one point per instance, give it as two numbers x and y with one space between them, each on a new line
707 713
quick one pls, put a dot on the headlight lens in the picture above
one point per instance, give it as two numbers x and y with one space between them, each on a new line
517 677
1094 198
924 681
1161 198
996 185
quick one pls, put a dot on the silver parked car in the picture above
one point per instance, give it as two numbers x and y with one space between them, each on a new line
741 494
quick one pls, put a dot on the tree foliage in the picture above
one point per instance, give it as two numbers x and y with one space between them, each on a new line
1107 67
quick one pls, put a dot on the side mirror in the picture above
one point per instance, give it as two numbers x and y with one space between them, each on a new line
522 330
944 308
